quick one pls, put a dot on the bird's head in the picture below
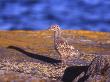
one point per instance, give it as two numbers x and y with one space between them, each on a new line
55 28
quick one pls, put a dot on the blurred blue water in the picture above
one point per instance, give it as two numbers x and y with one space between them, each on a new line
69 14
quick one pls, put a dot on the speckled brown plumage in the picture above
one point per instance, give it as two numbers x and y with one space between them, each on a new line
66 51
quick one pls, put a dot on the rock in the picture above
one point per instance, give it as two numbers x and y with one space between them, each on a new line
22 52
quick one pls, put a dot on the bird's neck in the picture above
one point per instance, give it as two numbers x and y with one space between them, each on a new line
57 34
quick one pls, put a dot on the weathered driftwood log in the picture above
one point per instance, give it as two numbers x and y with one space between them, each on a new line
33 53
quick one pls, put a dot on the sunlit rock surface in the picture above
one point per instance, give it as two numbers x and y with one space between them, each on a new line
41 43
